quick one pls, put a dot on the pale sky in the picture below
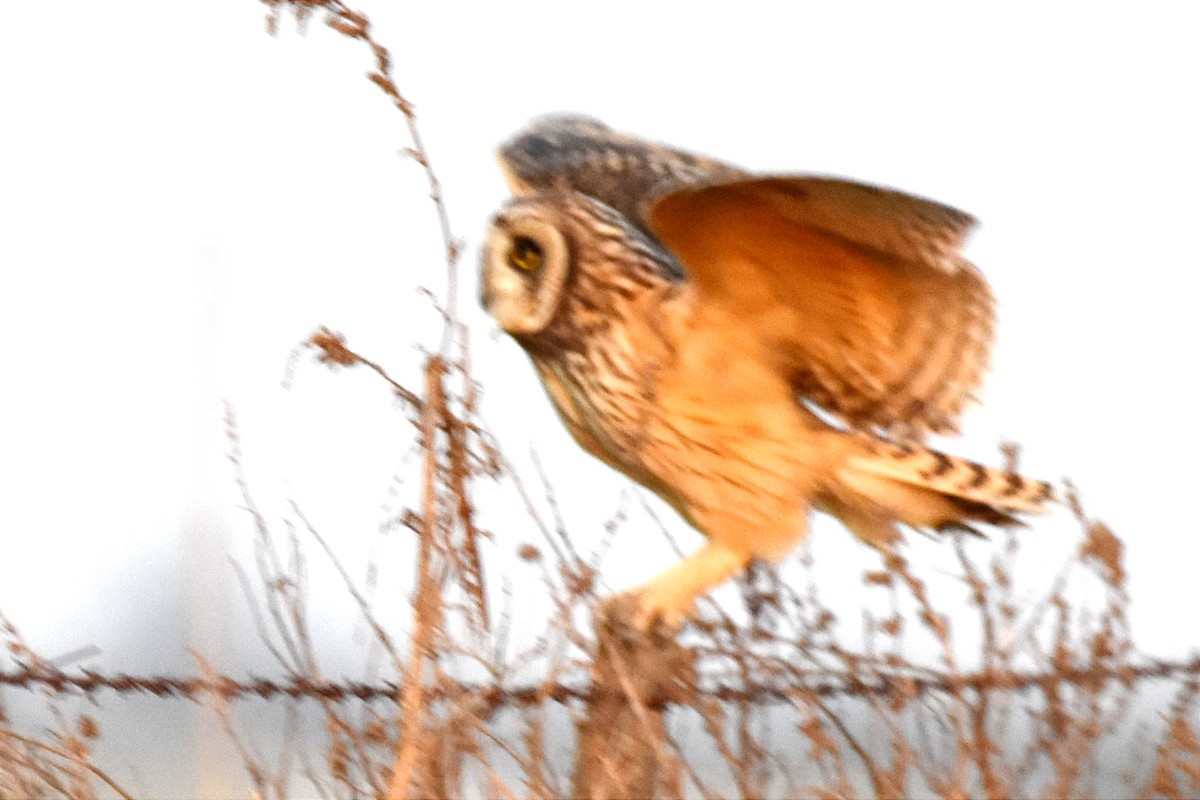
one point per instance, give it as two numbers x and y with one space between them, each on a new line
184 198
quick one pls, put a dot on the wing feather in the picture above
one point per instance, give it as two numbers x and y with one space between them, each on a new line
859 294
621 171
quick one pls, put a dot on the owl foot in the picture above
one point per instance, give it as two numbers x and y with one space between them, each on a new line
637 653
639 613
663 605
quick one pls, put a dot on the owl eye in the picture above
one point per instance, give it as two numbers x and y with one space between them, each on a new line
526 254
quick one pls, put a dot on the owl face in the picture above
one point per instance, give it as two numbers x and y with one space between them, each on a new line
525 263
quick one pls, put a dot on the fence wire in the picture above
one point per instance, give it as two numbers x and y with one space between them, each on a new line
493 696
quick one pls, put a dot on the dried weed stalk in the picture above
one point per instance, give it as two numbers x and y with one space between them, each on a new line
776 706
58 763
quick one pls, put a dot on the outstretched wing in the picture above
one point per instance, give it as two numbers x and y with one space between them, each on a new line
859 295
619 170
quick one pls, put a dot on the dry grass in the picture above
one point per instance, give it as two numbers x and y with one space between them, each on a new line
1015 699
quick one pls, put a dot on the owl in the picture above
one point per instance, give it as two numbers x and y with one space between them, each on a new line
751 348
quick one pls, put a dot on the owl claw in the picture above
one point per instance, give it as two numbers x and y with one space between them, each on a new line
638 654
635 614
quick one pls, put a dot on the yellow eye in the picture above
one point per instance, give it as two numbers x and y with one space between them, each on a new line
525 254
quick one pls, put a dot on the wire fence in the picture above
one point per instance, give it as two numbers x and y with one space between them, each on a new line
773 705
87 682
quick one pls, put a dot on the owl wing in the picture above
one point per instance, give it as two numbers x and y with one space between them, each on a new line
857 294
586 156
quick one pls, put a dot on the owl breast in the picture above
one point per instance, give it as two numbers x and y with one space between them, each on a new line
604 411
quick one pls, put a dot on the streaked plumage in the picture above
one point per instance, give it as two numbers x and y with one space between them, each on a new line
748 347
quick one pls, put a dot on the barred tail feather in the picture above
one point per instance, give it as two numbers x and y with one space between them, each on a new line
881 484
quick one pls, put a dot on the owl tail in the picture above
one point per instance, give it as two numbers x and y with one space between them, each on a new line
881 484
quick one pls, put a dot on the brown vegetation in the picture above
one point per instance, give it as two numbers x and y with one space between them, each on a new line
777 704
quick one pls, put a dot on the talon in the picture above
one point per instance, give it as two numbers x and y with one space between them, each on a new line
636 613
662 623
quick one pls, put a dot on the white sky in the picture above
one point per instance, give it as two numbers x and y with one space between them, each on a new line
183 198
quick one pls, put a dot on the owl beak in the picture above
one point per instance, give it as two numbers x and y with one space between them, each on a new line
485 293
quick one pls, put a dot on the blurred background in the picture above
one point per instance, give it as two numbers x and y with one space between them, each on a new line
184 198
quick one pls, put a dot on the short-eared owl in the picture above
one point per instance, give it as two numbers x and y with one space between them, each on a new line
748 347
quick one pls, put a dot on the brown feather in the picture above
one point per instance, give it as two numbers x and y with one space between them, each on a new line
875 326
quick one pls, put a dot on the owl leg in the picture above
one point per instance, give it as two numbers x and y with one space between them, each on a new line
667 599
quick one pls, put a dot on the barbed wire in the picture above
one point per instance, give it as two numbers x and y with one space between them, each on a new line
89 682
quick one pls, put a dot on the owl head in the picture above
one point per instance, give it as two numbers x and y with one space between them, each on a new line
525 263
